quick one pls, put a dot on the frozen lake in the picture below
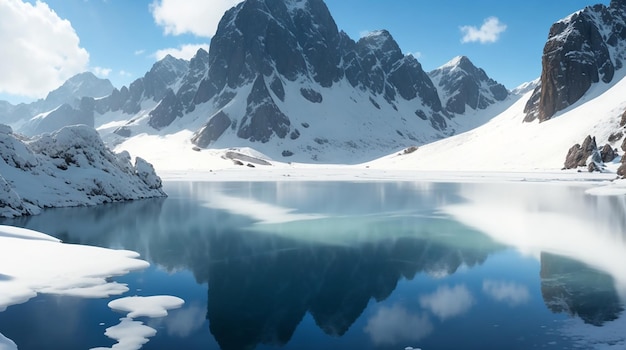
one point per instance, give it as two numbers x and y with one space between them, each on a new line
343 265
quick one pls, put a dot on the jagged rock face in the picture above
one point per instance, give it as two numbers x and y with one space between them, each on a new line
583 49
463 84
174 104
156 85
297 40
263 118
267 36
198 68
212 130
166 112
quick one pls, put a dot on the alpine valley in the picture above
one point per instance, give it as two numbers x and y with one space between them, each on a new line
282 84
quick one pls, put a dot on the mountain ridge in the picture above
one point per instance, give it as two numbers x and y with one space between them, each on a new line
302 91
284 91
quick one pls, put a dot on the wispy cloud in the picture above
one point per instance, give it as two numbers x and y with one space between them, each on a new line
197 17
185 52
101 72
40 50
489 32
139 52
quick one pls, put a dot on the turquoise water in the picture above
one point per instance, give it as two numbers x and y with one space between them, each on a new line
321 265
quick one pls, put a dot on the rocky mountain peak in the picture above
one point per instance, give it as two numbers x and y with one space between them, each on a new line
267 36
81 85
463 84
582 49
170 65
383 46
459 62
618 4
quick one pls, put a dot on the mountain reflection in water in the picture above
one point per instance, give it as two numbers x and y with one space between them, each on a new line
331 248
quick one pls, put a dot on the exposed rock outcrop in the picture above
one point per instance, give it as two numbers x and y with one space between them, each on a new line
582 49
588 155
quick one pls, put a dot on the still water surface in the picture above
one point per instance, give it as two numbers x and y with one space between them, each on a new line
337 265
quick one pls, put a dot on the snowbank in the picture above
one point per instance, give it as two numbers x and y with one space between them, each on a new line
32 263
71 167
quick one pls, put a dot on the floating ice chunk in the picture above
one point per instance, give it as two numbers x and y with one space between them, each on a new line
131 334
153 306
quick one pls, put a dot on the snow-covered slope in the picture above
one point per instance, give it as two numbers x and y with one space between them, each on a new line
71 167
506 143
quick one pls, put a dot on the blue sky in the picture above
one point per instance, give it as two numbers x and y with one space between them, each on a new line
45 42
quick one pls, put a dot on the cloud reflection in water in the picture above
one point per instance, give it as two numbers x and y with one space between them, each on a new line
395 324
447 302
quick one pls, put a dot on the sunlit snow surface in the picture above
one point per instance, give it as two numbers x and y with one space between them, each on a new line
36 263
32 262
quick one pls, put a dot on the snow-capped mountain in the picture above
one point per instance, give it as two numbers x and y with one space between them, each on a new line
79 112
71 167
461 85
281 78
155 85
583 49
70 94
582 82
81 85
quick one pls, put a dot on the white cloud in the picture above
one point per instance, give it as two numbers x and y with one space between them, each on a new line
393 325
101 72
39 50
197 17
139 52
489 32
448 302
185 52
507 292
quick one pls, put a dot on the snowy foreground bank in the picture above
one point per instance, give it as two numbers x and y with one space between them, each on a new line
32 263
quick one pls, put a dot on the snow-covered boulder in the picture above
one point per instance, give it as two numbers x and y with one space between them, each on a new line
70 167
